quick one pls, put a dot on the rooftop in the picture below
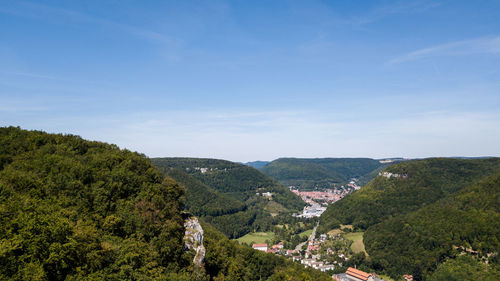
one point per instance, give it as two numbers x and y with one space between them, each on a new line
357 273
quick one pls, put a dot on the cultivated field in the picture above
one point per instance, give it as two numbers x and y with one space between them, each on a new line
357 238
256 237
306 233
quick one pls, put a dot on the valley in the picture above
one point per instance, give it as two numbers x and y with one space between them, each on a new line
198 219
349 229
72 209
250 140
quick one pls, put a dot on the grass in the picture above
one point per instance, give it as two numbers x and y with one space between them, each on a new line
256 237
357 245
306 233
275 208
334 232
385 277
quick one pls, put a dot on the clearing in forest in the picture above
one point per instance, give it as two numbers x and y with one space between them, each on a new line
357 239
256 237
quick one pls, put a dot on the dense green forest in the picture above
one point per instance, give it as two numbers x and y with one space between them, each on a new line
235 180
319 172
230 216
467 222
426 181
257 164
465 268
425 215
73 209
202 200
224 194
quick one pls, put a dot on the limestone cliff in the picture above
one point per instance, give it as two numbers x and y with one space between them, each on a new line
193 239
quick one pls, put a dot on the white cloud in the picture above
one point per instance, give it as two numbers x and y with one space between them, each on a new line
36 10
244 136
273 134
485 45
383 11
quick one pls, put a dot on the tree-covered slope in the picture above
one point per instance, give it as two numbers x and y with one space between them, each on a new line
321 172
236 180
257 164
421 182
231 216
463 223
202 200
234 207
72 209
465 268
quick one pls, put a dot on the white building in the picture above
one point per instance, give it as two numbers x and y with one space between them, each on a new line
267 194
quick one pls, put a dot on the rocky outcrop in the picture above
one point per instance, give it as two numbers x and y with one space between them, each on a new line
193 239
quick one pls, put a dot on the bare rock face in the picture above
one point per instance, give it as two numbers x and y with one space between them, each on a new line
193 239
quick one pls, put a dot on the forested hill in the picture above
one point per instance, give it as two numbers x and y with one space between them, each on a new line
231 216
428 215
202 200
246 210
72 209
320 172
467 222
257 164
419 182
236 180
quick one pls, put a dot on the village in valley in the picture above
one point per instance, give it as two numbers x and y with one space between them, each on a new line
318 200
326 251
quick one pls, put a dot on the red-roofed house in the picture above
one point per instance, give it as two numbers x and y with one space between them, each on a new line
260 247
408 277
358 274
278 246
313 247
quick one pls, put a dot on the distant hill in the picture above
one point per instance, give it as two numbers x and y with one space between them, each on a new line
319 172
257 164
247 209
419 213
202 200
231 216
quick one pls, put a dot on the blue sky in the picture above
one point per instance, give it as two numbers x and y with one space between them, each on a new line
249 80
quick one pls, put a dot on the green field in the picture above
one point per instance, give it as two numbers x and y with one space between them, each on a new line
385 277
306 233
334 232
357 238
274 207
256 237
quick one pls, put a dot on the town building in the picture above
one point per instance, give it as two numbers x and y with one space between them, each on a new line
326 267
408 277
260 247
353 274
267 194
